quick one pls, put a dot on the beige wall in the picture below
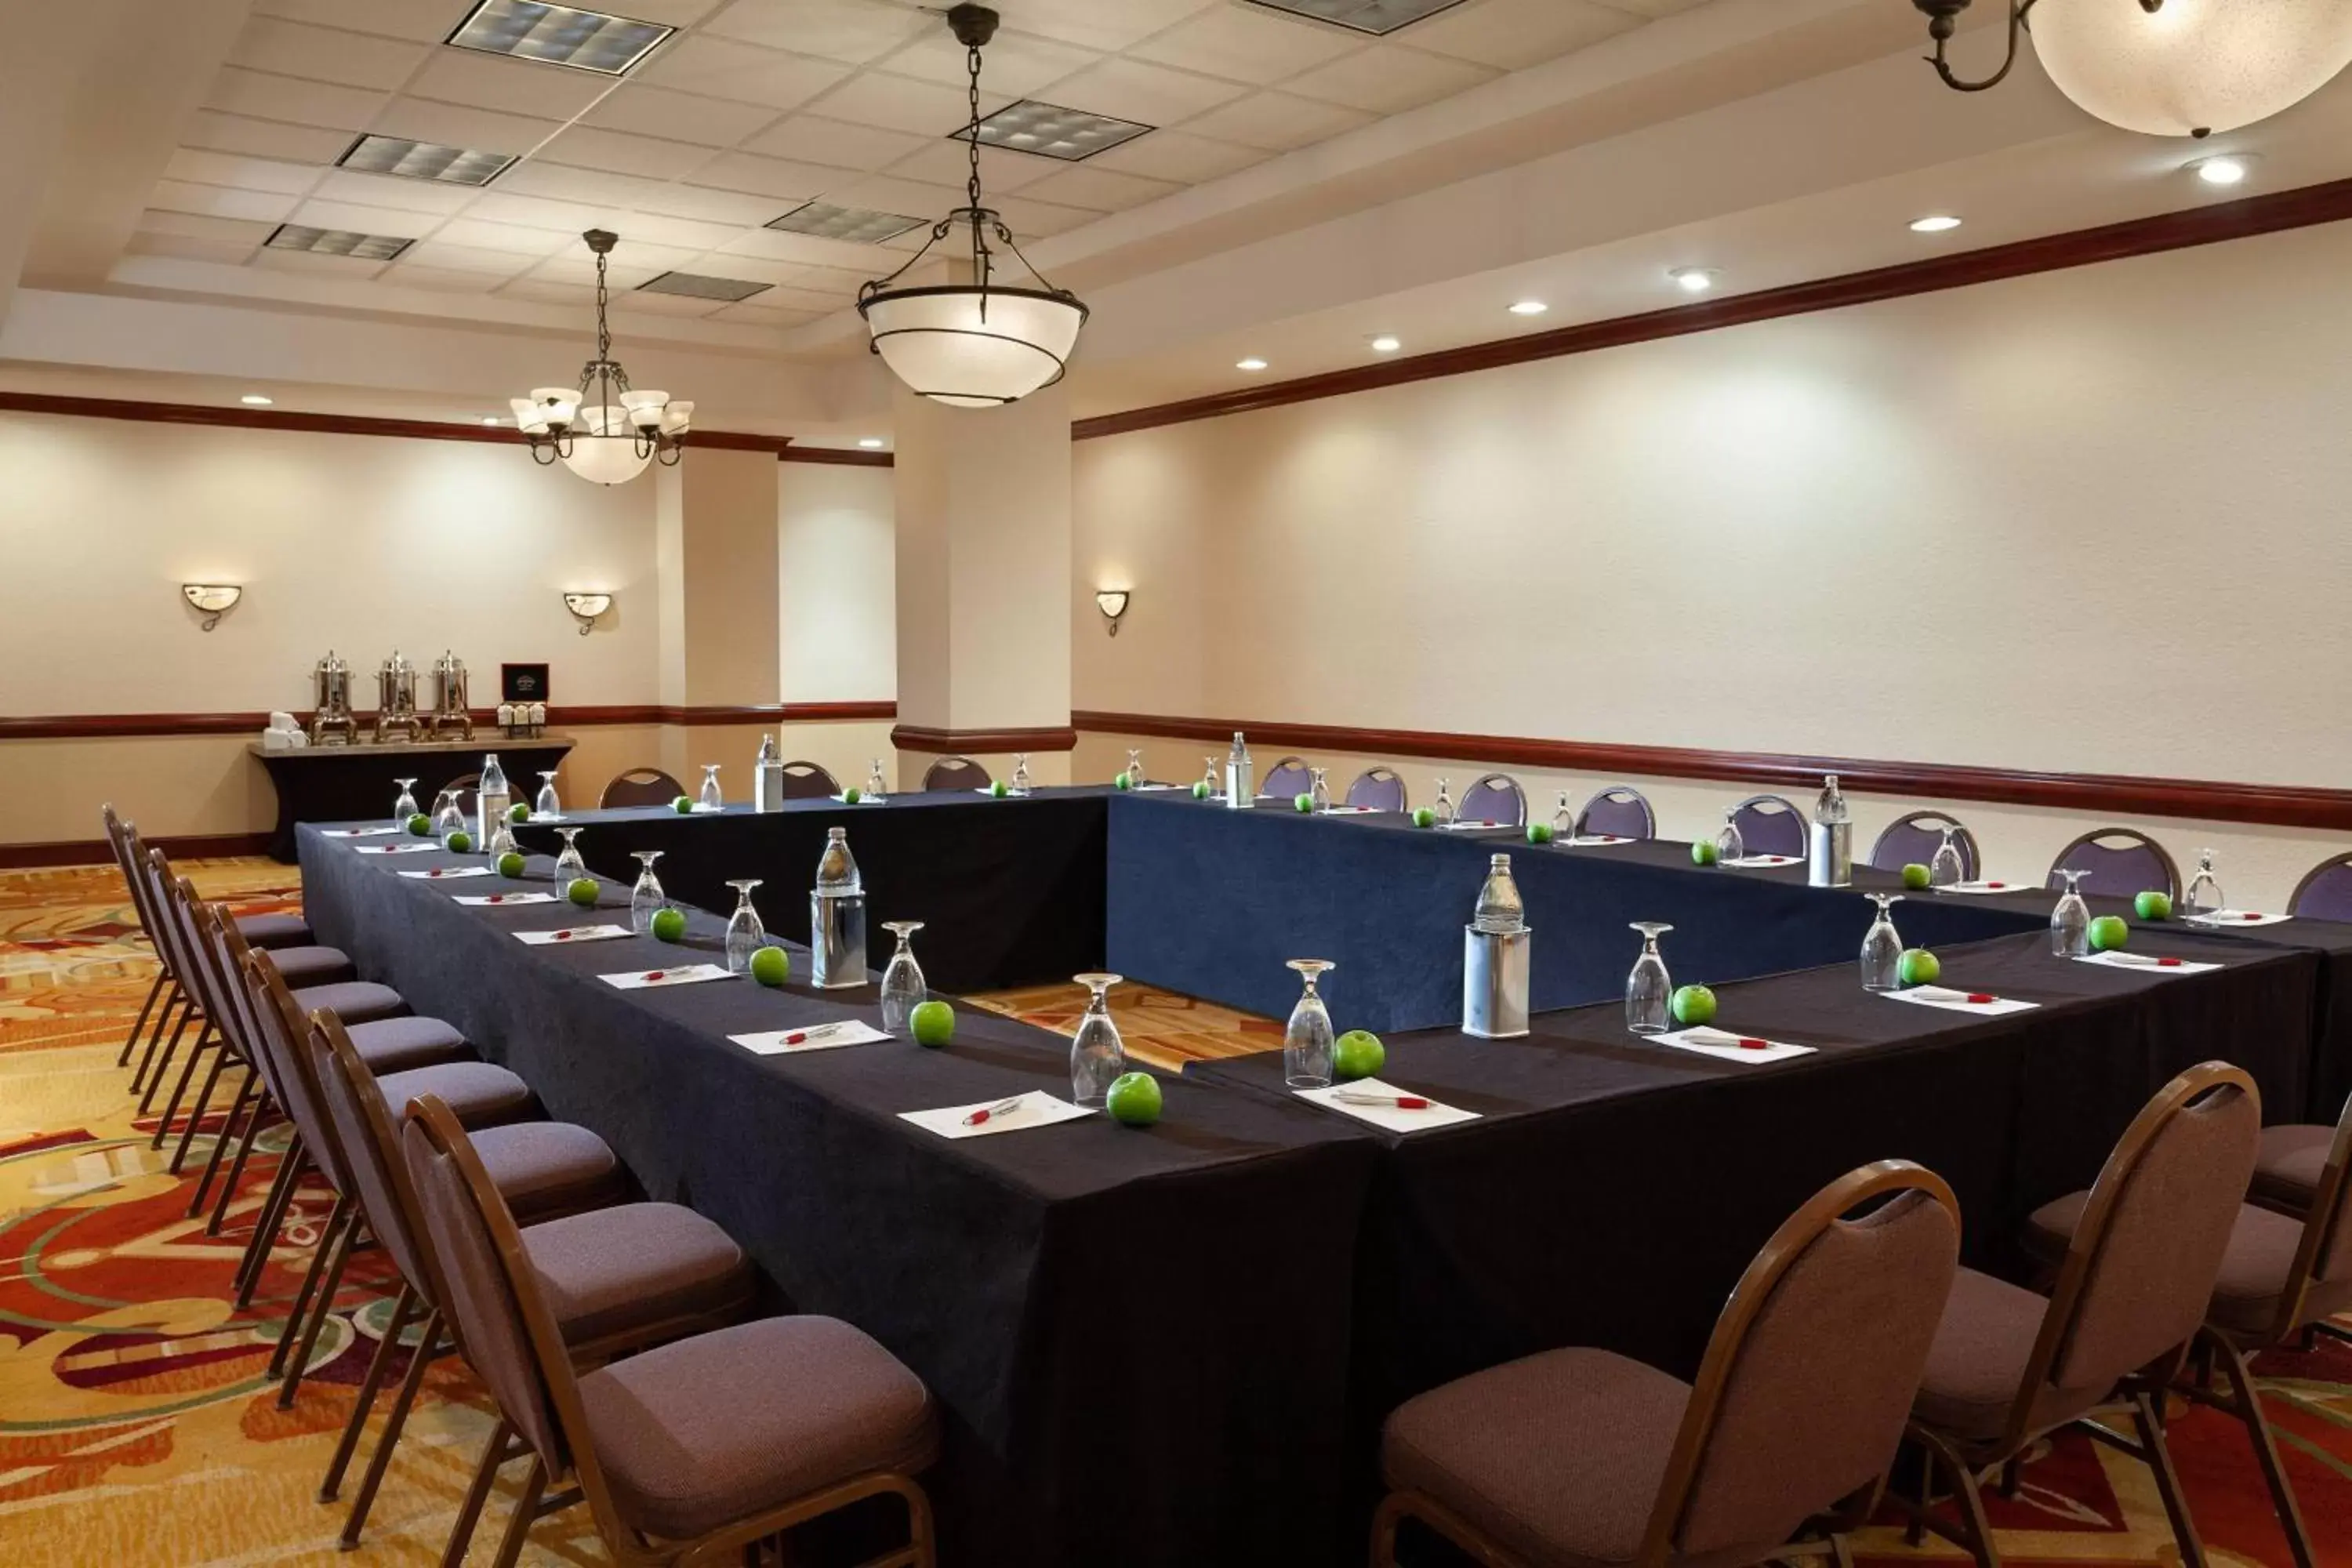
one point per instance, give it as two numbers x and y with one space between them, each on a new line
2085 521
836 558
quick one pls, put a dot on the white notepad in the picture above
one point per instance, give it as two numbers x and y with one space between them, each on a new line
1394 1118
1761 861
2146 961
484 900
813 1038
569 935
1958 1001
1725 1046
648 979
447 873
394 848
1982 888
1036 1109
861 800
2235 919
360 832
1595 841
1473 825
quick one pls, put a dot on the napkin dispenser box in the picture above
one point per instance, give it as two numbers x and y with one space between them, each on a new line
1494 968
836 940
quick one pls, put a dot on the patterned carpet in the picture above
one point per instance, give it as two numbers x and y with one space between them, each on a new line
135 1427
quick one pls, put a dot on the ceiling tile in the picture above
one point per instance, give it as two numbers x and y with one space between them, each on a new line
1387 79
392 191
810 252
581 270
641 258
317 264
1276 121
407 274
188 247
1176 156
549 291
769 176
677 116
536 212
1034 220
325 54
320 214
857 31
247 232
247 174
586 147
264 139
737 209
947 162
1102 190
633 303
1099 24
220 201
1014 64
685 233
453 125
1259 47
514 237
1512 35
562 182
808 302
1151 95
885 194
267 97
902 103
669 13
811 139
511 86
752 313
422 21
724 68
465 258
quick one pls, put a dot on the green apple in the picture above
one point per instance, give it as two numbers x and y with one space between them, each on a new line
1358 1054
519 813
1121 781
1703 852
1201 790
932 1023
770 965
1134 1099
582 890
1538 832
459 843
669 925
683 806
1422 817
511 864
1304 803
999 788
2109 932
421 826
1917 966
2155 904
1917 876
1692 1005
852 795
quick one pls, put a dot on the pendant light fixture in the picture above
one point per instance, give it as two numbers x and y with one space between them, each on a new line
604 431
972 342
2168 68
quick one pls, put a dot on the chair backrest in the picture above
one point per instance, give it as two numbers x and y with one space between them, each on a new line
369 1140
1379 788
1619 809
955 773
2326 891
282 1030
1813 1366
2118 862
1288 778
156 881
1495 797
1913 838
2323 1259
1770 825
639 786
2141 1266
808 780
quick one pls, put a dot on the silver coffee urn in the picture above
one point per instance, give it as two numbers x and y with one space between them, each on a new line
1495 959
332 715
395 699
450 710
837 916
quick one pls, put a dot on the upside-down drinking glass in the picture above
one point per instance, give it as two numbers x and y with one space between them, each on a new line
2204 894
1307 1038
1216 785
2070 922
1318 796
710 799
1021 772
1563 821
568 863
1728 845
1443 804
902 981
1098 1055
1947 869
547 804
646 899
1135 764
502 841
448 816
1649 986
745 934
404 807
875 788
1881 948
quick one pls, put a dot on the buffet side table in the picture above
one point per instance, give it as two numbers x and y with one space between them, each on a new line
345 784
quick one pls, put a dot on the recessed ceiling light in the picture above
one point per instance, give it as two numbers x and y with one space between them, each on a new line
1693 279
1529 308
255 400
335 242
1385 344
694 286
858 225
1378 17
1051 131
1252 363
2224 168
423 161
871 443
558 35
1935 223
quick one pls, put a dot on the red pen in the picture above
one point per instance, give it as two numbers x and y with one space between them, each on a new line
1980 999
1996 884
1393 1101
563 936
1750 1043
989 1112
2167 963
652 976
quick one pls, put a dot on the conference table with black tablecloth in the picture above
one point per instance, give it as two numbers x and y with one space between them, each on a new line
1137 1339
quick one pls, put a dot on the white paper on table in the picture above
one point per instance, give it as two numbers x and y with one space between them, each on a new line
394 848
1139 788
447 873
569 934
1593 842
483 901
1473 825
1981 887
359 832
2146 961
1958 1001
2235 919
538 817
862 799
700 809
1395 1118
647 979
816 1037
1010 794
1037 1109
1724 1046
1350 810
1761 861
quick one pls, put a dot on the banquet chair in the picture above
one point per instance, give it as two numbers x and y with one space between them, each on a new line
1583 1456
1378 788
808 780
2118 862
690 1452
1770 825
1619 810
2326 891
639 786
1495 797
621 1275
1289 779
2142 1260
1913 838
955 773
2281 1281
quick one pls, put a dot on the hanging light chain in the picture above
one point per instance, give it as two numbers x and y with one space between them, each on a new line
971 64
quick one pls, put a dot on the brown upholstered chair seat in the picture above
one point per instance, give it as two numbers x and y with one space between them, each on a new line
635 1264
304 966
1494 1448
1978 1360
396 1045
480 1093
718 1428
544 1169
2287 1163
2254 1271
352 1001
274 931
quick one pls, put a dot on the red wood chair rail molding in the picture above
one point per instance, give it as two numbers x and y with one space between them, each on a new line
342 424
2117 794
968 743
89 726
843 456
2266 213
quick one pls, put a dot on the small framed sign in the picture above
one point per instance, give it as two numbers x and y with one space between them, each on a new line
522 683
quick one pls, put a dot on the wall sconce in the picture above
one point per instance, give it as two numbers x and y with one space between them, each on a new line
587 607
211 600
1112 603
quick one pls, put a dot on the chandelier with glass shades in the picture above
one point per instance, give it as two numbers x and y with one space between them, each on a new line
974 341
604 430
2168 68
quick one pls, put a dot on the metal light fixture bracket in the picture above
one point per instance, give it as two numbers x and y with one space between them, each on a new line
587 607
211 600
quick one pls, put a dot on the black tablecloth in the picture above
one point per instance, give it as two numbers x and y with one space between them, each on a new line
336 784
1137 1339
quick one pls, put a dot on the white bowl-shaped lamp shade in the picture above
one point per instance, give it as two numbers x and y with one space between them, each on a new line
531 418
677 418
557 404
644 409
605 449
2191 66
970 348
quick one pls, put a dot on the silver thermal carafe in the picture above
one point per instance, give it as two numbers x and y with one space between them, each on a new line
768 777
1495 959
837 916
1829 860
1241 782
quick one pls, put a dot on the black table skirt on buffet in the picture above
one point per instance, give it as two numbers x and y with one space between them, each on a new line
337 783
1137 1339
